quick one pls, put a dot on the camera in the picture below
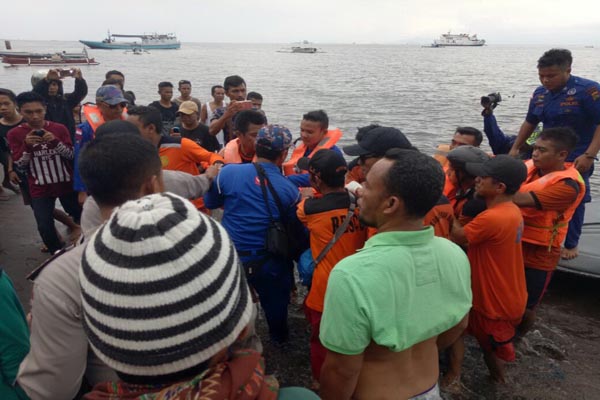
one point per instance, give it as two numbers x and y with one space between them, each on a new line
39 133
491 100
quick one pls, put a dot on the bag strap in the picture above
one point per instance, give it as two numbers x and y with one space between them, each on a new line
261 178
340 230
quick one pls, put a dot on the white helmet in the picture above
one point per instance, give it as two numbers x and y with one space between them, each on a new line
38 76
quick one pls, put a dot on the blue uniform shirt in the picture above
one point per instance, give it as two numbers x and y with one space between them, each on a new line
245 216
577 106
83 134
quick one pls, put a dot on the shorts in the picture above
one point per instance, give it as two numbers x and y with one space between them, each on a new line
494 335
537 282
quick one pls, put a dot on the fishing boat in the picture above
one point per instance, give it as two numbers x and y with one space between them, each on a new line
304 47
153 41
36 59
462 39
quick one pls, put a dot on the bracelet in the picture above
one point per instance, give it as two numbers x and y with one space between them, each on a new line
590 157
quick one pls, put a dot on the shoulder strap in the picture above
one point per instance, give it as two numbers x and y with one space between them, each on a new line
340 230
261 178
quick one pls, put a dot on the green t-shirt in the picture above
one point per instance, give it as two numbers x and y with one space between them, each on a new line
14 339
400 289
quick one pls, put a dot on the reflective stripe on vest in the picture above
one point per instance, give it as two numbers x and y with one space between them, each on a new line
548 228
329 140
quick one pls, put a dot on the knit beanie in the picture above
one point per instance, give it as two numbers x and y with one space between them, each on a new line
162 288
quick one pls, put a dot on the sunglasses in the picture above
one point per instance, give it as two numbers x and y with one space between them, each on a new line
114 106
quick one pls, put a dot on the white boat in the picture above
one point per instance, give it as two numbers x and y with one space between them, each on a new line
304 47
462 39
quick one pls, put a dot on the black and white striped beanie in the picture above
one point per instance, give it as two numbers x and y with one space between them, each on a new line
162 288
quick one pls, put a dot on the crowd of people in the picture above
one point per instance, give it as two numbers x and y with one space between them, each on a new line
183 217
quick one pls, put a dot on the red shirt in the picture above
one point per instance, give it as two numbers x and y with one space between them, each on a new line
49 164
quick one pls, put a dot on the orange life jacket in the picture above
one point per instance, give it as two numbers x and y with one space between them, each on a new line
93 115
545 227
231 152
331 138
441 154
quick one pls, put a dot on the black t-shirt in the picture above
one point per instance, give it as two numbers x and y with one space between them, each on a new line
201 136
3 133
168 116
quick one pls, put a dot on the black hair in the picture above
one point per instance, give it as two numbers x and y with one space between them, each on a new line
147 115
29 97
212 89
254 96
10 94
416 178
363 130
244 118
114 167
113 72
114 82
164 85
263 150
564 138
561 58
468 130
319 116
184 82
117 126
233 80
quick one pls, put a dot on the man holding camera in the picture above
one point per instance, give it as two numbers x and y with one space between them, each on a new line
44 148
59 106
565 100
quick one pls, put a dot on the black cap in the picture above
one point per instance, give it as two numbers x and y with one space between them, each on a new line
327 164
377 141
506 169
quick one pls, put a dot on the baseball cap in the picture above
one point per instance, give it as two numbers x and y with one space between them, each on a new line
377 141
110 94
325 163
188 107
274 137
506 169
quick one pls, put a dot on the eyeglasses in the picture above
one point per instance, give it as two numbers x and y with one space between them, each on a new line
115 106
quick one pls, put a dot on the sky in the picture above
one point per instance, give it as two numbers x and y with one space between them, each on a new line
320 21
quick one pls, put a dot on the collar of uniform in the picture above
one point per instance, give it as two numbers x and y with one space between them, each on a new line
405 238
271 166
168 139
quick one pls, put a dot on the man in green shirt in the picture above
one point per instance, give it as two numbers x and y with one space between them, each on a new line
405 295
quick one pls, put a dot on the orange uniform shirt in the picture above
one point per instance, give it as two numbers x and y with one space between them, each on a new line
441 217
322 216
185 156
497 270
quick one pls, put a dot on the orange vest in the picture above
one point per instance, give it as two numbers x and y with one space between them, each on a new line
331 137
93 115
548 228
440 154
231 152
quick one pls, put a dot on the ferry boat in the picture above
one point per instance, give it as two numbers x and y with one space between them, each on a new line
154 41
462 39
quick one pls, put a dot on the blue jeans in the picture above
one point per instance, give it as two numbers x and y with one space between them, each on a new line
576 223
43 209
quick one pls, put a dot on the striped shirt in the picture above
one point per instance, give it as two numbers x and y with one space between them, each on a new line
50 164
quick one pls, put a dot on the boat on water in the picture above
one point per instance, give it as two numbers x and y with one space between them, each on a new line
153 41
304 47
15 59
588 261
461 39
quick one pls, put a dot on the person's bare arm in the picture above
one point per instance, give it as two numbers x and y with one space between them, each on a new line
524 133
204 113
339 375
457 234
445 339
230 111
524 199
585 161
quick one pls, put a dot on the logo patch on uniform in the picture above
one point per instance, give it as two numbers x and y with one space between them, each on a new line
572 91
593 91
164 160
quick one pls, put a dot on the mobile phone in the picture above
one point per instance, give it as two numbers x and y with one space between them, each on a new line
246 104
39 133
65 72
